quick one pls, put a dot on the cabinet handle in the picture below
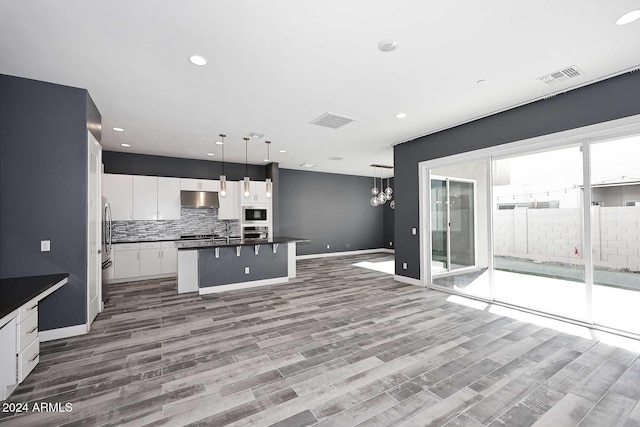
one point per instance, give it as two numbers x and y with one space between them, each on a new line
34 357
33 330
32 308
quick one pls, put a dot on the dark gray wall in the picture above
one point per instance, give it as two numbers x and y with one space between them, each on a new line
329 209
142 164
600 102
387 219
43 189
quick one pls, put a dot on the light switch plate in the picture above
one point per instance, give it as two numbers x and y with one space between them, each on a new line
45 245
328 246
404 265
246 270
414 231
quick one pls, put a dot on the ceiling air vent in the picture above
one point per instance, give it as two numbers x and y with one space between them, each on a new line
336 158
331 120
255 135
561 75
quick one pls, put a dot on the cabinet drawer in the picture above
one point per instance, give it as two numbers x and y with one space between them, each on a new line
125 246
151 245
26 311
27 332
28 359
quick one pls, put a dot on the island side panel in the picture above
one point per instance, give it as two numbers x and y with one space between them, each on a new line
230 268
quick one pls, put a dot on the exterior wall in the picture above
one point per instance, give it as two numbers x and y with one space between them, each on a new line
554 235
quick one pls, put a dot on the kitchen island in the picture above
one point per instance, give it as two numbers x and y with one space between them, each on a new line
211 266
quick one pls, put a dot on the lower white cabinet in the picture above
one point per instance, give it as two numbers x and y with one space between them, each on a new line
133 260
7 357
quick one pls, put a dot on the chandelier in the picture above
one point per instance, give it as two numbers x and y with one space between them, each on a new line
383 194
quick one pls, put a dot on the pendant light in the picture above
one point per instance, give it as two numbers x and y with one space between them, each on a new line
388 191
382 197
269 184
374 190
246 184
223 177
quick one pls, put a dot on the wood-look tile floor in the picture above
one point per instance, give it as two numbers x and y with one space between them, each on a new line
339 346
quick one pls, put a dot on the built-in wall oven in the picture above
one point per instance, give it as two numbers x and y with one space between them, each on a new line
255 232
255 215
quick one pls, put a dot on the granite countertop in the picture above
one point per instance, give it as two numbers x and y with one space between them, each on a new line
203 244
146 239
17 291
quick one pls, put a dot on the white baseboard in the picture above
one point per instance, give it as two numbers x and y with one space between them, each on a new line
58 333
243 285
407 280
346 253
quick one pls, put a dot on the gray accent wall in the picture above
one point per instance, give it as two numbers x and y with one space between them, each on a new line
329 209
610 99
43 189
143 164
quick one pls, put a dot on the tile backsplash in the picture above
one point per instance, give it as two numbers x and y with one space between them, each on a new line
192 221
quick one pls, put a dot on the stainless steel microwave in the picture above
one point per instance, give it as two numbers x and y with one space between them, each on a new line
255 215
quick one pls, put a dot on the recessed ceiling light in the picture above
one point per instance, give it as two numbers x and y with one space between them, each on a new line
283 151
210 154
125 145
307 165
118 129
219 142
401 115
629 17
197 60
387 45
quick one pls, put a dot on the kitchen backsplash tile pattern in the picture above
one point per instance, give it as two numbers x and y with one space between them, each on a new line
192 221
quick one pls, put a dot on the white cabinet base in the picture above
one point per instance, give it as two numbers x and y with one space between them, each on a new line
187 271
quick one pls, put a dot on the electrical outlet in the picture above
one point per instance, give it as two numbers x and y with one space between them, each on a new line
414 231
246 270
328 246
404 265
390 243
45 245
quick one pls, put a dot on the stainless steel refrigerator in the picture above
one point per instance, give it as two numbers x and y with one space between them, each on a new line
107 263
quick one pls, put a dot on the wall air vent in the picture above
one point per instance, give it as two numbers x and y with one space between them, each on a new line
331 120
561 75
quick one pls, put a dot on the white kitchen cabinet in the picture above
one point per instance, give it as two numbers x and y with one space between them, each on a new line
118 190
169 258
230 204
168 198
145 198
7 357
257 194
199 184
150 261
126 261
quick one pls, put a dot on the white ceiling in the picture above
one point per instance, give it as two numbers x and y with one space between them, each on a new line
273 66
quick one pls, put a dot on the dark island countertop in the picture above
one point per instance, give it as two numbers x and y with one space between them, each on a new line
204 244
17 291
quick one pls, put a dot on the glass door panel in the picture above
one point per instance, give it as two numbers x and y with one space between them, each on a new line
537 232
462 231
615 225
439 241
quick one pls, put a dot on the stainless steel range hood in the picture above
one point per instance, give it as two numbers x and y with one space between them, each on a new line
199 199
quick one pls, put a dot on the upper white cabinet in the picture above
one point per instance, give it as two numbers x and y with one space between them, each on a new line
145 197
142 197
258 194
199 184
168 198
118 190
229 205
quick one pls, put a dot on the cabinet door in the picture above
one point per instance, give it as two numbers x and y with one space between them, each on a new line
118 190
7 357
145 198
150 262
199 184
168 198
230 205
126 264
169 260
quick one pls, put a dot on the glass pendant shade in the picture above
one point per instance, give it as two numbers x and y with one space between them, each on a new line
392 204
223 185
388 191
246 185
269 188
382 198
374 201
375 191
